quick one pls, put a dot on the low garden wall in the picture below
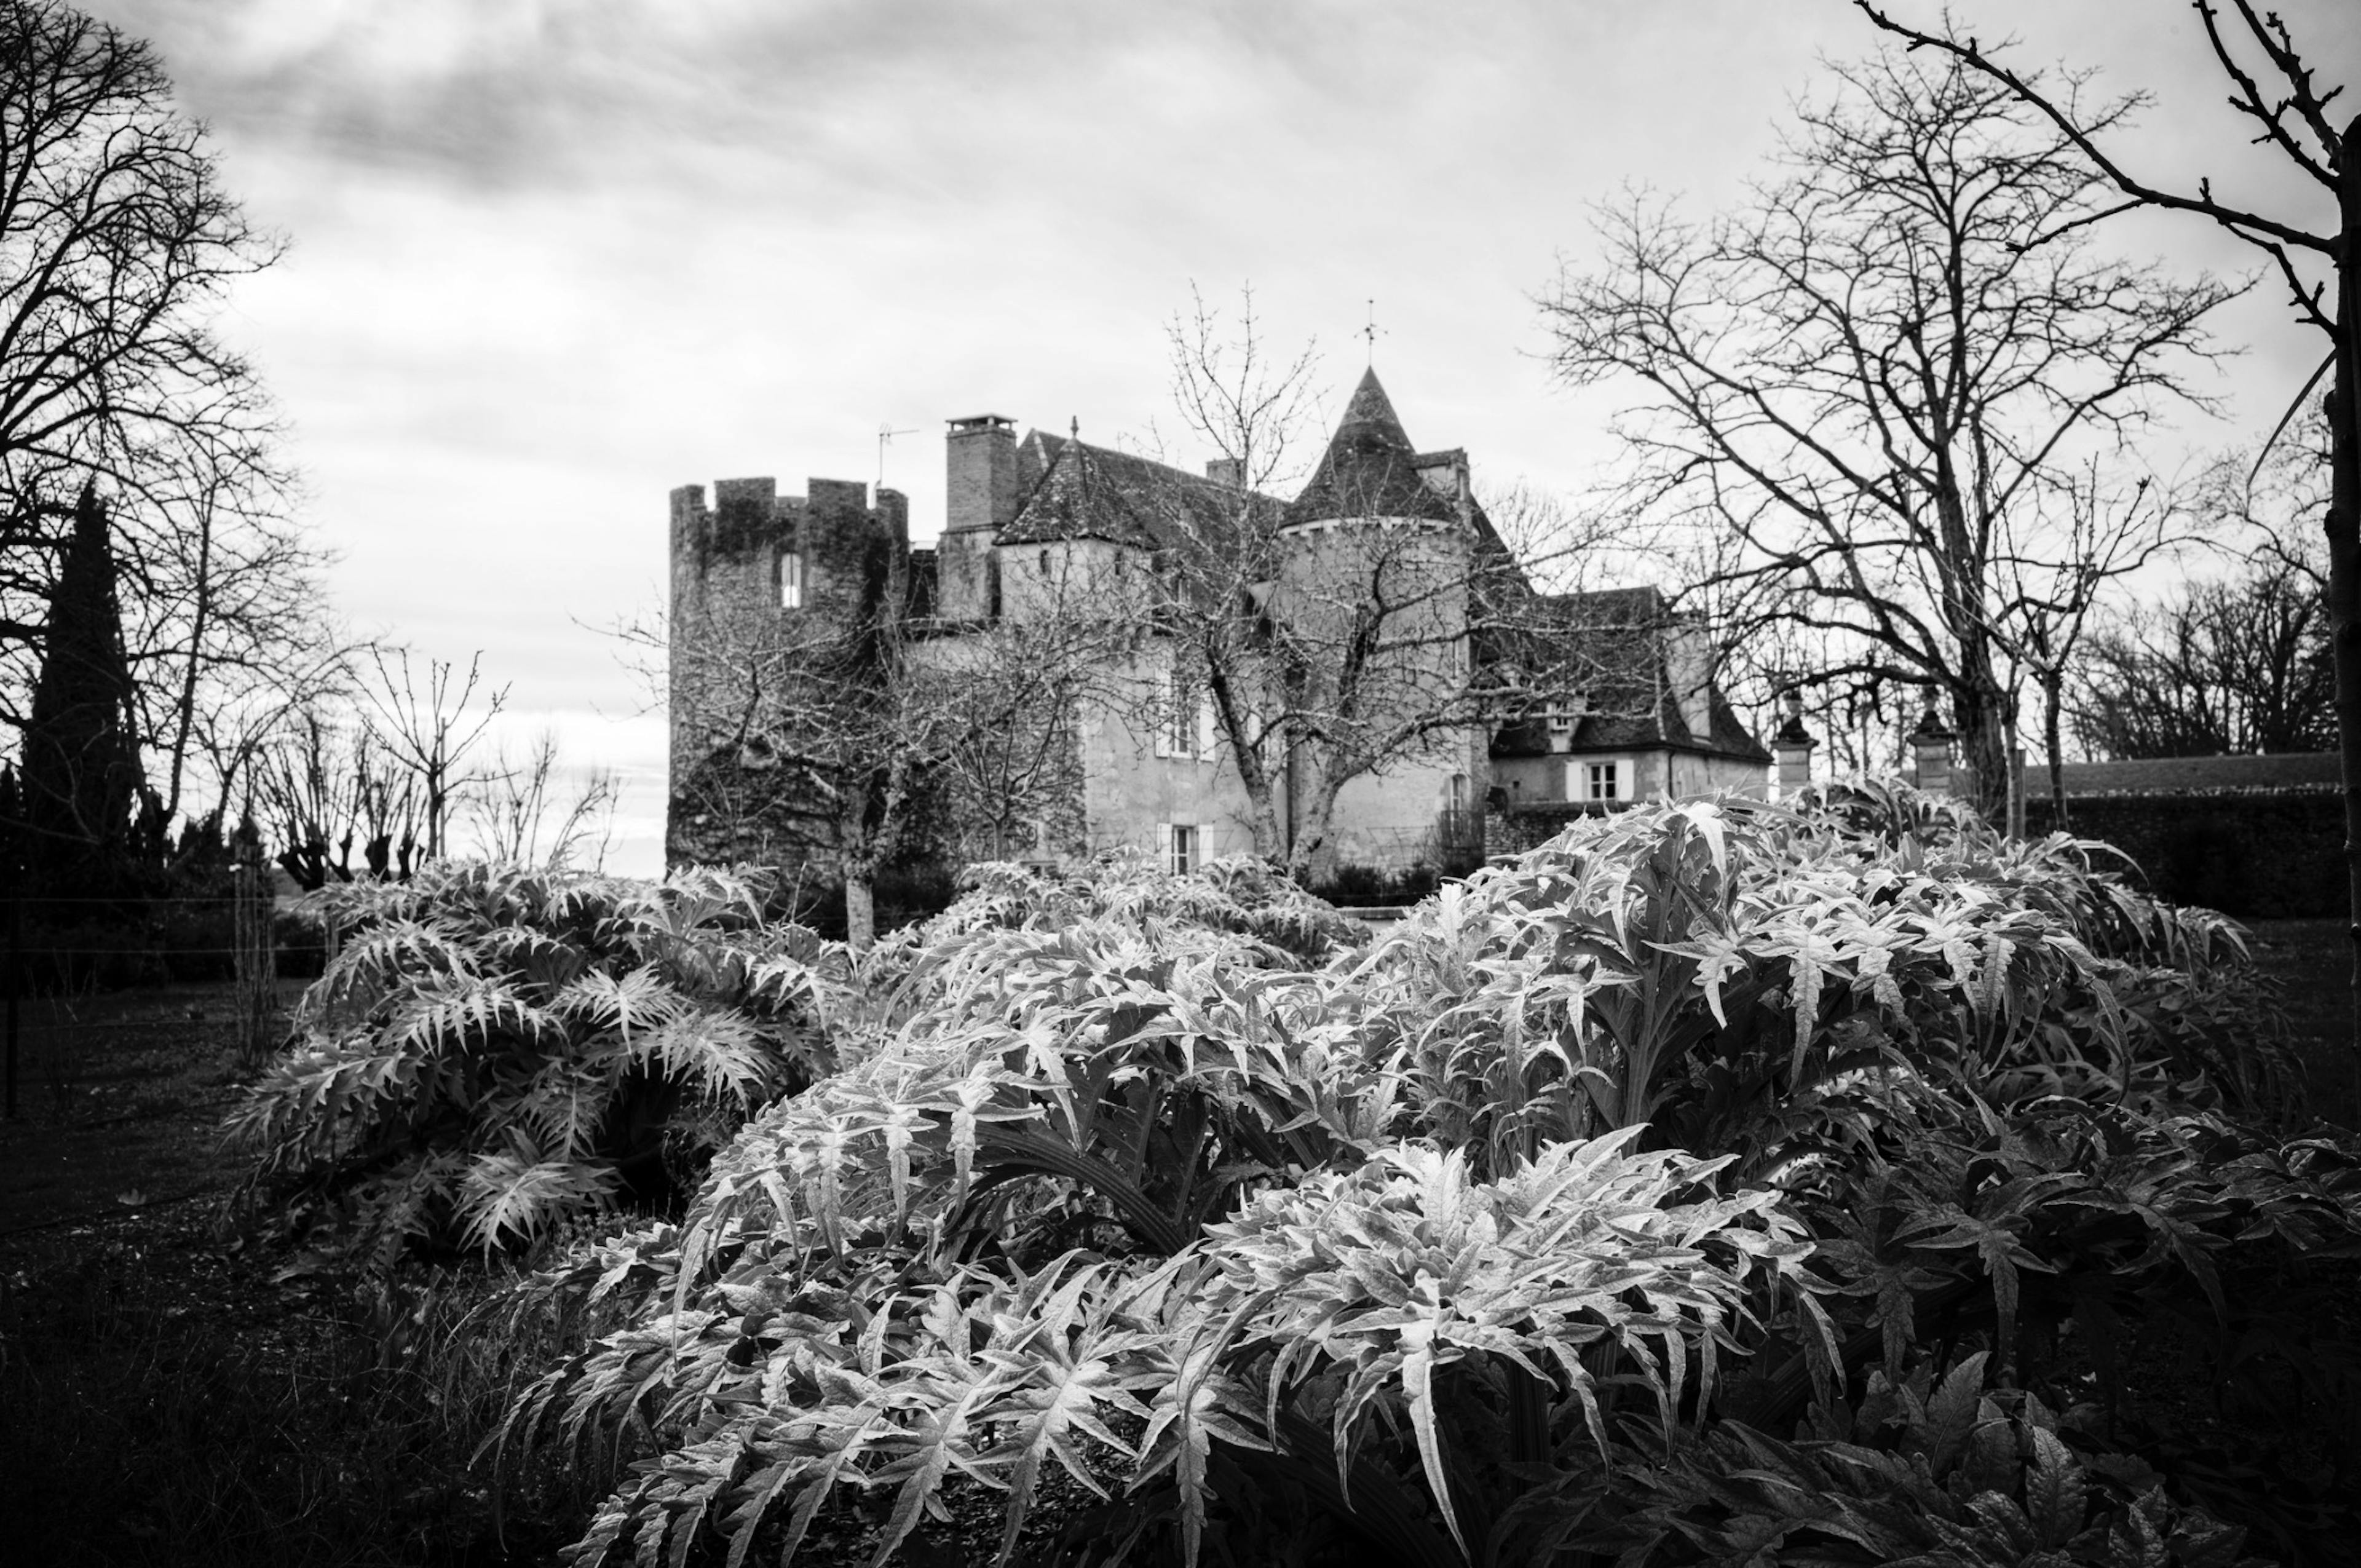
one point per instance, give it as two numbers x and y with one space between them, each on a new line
2255 854
2259 854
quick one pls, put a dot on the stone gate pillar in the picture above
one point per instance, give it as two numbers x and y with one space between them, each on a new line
1792 746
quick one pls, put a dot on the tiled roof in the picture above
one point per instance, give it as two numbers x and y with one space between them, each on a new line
1370 468
1651 722
1615 608
1090 492
1634 703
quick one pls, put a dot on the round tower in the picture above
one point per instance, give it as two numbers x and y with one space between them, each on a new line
1376 558
754 576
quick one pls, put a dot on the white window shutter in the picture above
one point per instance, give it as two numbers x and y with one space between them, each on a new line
1159 719
1164 845
1205 727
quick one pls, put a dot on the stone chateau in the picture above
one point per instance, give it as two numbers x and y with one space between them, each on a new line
1498 696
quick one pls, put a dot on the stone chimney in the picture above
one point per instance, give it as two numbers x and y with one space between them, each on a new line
979 501
1688 666
1230 471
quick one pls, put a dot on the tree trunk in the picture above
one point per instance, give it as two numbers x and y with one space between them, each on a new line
1233 713
2054 745
859 911
1308 857
2343 528
1984 746
2012 760
185 718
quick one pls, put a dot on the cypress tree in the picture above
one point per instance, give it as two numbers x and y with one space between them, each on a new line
81 772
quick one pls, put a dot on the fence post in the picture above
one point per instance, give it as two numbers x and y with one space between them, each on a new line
257 968
16 985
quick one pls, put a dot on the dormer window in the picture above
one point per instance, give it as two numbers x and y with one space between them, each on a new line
1562 715
1566 712
791 580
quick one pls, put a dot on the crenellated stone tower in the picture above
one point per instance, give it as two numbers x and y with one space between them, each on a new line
752 576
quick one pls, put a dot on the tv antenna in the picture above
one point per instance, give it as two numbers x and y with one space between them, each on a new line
886 434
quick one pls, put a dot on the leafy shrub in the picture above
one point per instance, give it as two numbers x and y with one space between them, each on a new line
1692 966
1543 1218
1925 1472
495 1049
1354 885
1109 1116
1345 1312
1237 896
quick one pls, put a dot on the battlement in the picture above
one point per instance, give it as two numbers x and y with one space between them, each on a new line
754 550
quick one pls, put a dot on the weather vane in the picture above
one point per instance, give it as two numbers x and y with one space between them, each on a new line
886 434
1370 329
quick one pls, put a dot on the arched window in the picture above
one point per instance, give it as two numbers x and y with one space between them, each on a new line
791 580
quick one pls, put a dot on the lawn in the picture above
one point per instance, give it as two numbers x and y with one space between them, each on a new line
175 1388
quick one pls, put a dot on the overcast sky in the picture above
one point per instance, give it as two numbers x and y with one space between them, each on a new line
553 257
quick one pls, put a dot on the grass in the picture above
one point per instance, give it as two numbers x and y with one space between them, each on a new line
172 1390
175 1395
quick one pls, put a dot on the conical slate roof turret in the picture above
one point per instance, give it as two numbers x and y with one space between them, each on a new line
1370 468
1371 426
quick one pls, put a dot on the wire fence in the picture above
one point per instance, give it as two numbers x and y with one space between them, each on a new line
251 907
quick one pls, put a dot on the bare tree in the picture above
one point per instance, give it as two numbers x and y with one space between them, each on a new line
231 604
322 785
2098 532
1255 411
116 245
1395 626
2288 112
2221 668
2260 504
1010 774
1888 379
427 726
519 814
828 739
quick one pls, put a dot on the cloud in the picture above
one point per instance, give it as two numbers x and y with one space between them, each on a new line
554 258
572 93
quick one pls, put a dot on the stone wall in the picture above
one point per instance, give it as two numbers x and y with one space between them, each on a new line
2159 775
2258 854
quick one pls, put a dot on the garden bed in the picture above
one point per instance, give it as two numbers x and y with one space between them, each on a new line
177 1388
